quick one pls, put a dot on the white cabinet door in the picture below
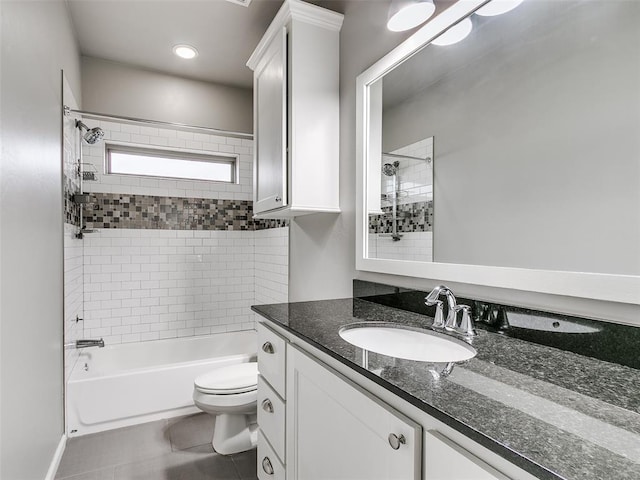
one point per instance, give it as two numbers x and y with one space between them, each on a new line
270 90
446 460
337 431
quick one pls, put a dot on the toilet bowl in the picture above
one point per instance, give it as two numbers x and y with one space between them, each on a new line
230 394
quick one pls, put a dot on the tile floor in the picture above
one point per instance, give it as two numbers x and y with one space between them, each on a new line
174 449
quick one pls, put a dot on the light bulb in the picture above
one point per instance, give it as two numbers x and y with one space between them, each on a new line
185 51
410 15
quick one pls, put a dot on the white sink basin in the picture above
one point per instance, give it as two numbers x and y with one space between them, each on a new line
406 342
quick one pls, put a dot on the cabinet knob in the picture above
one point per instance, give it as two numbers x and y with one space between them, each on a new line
267 347
266 466
395 441
267 406
278 199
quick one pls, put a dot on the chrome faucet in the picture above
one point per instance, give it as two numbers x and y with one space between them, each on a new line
465 327
86 343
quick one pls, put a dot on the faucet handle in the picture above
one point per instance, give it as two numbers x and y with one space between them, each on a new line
438 321
466 327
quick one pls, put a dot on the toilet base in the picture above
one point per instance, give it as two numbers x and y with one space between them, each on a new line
234 434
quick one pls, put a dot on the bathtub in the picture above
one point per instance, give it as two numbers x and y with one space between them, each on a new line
127 384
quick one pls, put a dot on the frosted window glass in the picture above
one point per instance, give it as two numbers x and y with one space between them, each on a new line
194 167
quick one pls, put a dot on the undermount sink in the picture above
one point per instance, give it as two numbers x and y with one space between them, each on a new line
405 342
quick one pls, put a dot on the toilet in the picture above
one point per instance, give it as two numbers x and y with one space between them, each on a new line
230 394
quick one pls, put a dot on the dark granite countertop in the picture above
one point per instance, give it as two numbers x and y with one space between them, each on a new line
555 414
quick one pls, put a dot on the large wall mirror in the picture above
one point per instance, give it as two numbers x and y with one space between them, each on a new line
510 158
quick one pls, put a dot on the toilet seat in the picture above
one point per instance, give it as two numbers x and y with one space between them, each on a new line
230 380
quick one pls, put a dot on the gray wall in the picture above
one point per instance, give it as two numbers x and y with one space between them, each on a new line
117 89
322 248
36 43
537 142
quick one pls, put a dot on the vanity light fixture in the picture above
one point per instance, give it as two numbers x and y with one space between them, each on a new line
455 34
406 14
498 7
185 51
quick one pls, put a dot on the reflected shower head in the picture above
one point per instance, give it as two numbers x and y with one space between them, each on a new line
390 169
92 135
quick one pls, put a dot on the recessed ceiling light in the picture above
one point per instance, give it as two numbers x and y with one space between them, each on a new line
185 51
455 34
405 15
498 7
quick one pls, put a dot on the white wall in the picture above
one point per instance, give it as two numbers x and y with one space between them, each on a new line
322 261
37 42
117 89
322 246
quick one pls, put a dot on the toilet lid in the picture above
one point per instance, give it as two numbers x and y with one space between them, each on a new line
238 378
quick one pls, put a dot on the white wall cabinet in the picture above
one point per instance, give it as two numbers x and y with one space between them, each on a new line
296 113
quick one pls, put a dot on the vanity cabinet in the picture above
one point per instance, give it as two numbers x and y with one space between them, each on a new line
271 403
296 113
446 460
330 422
335 430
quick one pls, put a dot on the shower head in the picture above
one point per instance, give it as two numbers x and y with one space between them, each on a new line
92 135
390 169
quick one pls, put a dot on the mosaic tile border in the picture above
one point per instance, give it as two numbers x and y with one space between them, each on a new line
412 217
109 210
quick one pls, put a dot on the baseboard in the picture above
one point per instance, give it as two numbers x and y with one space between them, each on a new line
55 461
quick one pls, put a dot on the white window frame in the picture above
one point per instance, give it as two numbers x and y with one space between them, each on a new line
177 153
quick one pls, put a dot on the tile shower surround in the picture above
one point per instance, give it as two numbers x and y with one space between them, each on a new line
169 138
144 285
109 210
170 257
411 217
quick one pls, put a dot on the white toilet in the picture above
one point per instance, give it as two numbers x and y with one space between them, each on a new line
230 393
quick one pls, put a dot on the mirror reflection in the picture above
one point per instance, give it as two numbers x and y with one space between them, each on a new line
536 113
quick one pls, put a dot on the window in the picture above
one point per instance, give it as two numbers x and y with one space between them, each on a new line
124 160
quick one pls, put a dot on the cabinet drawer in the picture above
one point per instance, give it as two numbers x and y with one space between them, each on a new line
269 467
271 358
271 415
445 460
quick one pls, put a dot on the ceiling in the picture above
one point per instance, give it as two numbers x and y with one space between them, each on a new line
143 32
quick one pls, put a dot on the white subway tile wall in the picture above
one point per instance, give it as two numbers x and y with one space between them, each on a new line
271 266
413 246
152 284
73 294
94 158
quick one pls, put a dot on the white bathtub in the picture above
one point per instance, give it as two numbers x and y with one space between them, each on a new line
122 385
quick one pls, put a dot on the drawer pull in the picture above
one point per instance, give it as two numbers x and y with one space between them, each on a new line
266 466
267 347
267 406
395 441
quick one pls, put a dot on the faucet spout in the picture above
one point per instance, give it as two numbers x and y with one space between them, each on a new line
89 343
466 327
432 299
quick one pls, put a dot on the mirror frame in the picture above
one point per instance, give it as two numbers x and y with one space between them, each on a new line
599 286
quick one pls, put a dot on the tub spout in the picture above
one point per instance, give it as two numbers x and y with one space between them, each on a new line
86 343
